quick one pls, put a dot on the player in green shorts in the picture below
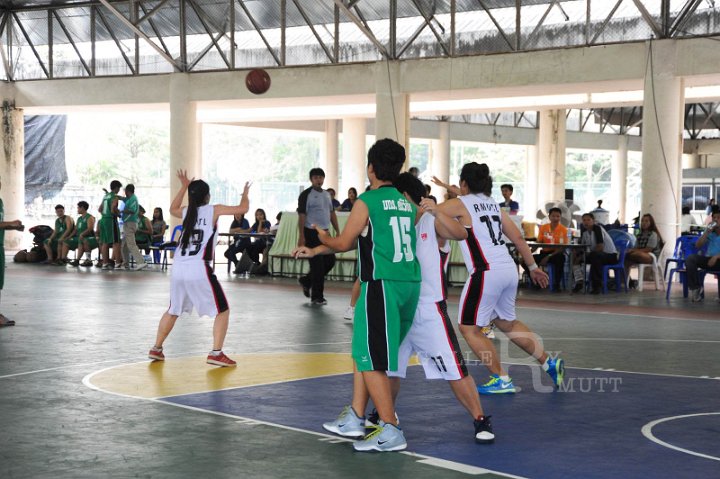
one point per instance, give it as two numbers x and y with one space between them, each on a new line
108 225
382 226
64 227
5 225
84 239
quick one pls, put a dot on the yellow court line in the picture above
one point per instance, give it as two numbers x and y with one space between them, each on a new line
188 375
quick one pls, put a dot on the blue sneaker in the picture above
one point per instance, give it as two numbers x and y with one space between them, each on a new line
384 438
347 424
496 386
556 370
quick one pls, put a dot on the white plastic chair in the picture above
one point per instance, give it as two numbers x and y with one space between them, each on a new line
657 273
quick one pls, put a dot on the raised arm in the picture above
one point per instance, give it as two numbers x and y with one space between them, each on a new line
451 188
239 209
176 205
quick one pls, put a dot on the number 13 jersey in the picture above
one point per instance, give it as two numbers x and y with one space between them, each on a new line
484 247
387 249
202 242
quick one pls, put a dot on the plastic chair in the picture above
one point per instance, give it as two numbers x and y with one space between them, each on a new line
171 246
551 273
619 268
687 247
657 273
618 234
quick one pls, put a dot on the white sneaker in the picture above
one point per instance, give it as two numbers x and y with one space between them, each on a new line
347 424
349 313
119 265
140 267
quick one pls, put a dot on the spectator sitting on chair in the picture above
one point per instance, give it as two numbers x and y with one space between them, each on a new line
64 228
143 235
347 205
158 232
649 241
512 205
602 252
258 245
710 261
335 203
239 225
84 238
552 232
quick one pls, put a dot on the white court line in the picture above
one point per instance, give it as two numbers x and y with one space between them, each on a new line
455 466
647 432
609 313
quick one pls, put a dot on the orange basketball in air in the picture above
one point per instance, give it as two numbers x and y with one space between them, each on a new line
257 81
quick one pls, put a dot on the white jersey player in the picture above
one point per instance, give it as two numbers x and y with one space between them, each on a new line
490 290
193 283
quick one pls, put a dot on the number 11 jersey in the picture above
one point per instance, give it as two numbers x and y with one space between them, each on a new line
201 246
484 247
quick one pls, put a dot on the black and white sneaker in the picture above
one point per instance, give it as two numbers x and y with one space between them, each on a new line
483 431
319 301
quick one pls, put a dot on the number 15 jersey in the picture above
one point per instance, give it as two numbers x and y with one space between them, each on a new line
484 247
202 242
387 250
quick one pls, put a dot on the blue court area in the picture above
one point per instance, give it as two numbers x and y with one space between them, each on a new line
593 429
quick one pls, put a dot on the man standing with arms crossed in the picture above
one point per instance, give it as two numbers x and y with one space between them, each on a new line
315 209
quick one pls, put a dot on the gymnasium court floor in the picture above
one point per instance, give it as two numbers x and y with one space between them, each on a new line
78 398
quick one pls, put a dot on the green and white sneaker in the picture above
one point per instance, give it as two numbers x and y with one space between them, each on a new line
347 424
384 438
496 386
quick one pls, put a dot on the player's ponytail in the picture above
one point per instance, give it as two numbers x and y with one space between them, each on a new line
198 192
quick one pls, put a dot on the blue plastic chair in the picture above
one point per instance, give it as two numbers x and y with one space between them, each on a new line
174 238
618 234
621 245
687 247
551 273
682 244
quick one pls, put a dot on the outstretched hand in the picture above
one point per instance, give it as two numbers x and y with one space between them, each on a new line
184 180
439 182
248 184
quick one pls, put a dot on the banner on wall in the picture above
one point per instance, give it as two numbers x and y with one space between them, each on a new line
45 170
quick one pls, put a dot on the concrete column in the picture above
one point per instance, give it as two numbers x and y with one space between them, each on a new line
531 204
12 172
329 155
440 160
662 143
185 132
392 113
551 156
618 180
354 168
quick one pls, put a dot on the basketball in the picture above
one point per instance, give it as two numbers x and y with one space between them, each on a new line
257 81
